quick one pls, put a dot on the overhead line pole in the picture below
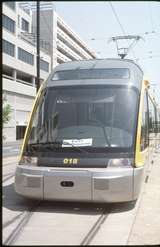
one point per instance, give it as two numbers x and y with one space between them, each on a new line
38 45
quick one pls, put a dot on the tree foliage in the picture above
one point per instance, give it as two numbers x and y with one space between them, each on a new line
6 111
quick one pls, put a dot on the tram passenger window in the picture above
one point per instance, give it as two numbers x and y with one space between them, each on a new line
144 127
152 118
156 121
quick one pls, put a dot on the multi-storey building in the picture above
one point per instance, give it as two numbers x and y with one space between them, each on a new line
58 42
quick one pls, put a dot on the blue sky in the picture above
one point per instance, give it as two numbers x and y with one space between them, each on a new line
95 19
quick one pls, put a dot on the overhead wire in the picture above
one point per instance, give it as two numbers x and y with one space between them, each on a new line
140 34
116 16
123 31
48 27
146 33
150 14
151 18
94 39
150 57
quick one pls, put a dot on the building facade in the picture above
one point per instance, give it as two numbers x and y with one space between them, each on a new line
64 44
58 44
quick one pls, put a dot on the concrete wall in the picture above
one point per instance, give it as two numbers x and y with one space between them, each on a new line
19 93
20 97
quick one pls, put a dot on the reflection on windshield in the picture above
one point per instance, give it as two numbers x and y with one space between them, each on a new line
86 117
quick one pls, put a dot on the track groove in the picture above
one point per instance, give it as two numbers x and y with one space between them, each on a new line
91 234
9 164
10 176
17 231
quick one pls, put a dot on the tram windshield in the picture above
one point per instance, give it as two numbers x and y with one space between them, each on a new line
81 74
86 117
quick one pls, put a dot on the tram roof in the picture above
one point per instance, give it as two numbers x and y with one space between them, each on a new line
136 73
98 63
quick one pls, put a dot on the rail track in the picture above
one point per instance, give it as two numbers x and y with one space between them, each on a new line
27 214
8 164
95 228
24 218
7 161
9 176
15 233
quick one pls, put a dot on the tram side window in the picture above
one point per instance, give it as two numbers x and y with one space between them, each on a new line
144 127
158 122
152 117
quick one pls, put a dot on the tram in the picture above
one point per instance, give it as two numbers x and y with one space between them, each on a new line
88 134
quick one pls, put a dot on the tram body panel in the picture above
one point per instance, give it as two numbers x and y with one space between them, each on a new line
29 182
102 185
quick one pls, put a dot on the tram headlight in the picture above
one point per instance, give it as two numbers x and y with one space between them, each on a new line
121 163
28 160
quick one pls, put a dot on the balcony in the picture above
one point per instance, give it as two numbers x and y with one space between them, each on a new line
72 44
67 51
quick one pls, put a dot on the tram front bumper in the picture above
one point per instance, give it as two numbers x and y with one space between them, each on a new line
94 185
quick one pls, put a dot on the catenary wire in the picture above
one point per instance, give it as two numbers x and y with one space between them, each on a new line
123 31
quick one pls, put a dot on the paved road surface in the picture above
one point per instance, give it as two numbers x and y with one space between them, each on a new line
11 149
29 222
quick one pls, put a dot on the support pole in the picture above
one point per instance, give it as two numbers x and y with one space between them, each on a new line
38 46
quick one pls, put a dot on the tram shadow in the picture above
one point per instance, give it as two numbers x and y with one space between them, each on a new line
13 201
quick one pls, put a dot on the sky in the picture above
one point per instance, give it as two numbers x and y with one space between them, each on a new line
96 21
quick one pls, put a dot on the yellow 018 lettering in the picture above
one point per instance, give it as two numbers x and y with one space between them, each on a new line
75 161
65 161
70 161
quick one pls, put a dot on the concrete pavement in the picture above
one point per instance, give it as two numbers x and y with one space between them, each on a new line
15 143
125 224
146 227
140 225
11 148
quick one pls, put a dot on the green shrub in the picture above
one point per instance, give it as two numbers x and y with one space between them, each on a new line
6 113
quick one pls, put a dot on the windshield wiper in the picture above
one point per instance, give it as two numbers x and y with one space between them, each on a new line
38 145
53 144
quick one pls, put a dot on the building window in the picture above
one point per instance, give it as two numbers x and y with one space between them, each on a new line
20 132
44 65
11 4
25 56
144 127
8 23
25 25
8 48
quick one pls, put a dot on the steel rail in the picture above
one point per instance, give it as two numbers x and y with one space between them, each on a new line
9 163
9 176
95 228
13 236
